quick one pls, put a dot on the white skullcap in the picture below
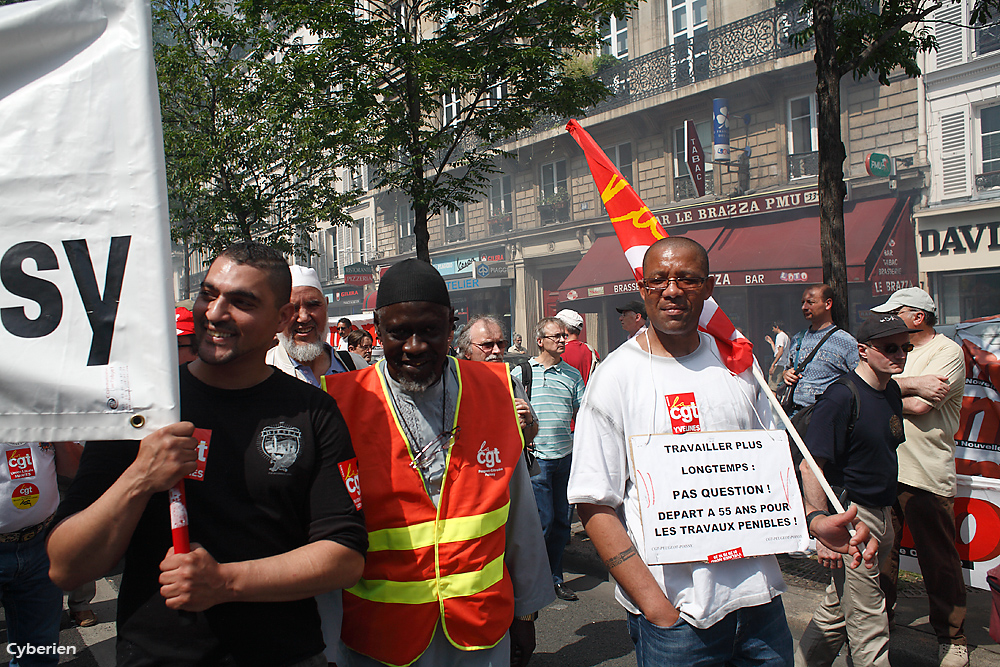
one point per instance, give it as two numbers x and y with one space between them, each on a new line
303 276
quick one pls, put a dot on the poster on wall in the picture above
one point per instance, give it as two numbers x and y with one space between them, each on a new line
86 321
977 517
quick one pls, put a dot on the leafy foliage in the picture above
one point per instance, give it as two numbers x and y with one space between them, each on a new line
501 62
258 113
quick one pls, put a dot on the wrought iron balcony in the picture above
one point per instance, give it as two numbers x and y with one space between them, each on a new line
988 181
801 165
454 233
684 186
729 48
407 243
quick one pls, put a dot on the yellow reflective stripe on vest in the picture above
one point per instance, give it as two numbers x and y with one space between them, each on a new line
422 592
458 529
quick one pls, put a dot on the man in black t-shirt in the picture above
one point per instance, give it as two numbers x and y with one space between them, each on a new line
274 516
853 436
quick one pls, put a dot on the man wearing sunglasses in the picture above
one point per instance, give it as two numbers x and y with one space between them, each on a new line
482 339
932 383
856 426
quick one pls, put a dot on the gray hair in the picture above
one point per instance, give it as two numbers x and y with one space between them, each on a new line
464 338
544 322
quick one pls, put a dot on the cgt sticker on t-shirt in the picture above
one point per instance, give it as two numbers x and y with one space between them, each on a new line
20 464
683 413
25 495
204 437
349 471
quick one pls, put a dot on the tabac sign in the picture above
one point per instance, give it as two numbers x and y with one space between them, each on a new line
694 156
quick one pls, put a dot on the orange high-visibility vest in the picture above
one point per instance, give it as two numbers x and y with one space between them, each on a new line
426 563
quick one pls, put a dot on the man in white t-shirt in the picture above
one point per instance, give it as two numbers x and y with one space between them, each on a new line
691 612
926 492
780 346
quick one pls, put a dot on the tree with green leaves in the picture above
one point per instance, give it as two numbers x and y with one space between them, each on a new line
861 38
461 78
260 111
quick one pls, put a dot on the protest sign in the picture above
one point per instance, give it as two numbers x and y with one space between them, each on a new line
86 312
712 496
977 518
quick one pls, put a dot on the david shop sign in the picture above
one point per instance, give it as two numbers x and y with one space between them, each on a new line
960 239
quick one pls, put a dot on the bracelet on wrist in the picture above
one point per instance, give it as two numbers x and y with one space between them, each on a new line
812 515
527 617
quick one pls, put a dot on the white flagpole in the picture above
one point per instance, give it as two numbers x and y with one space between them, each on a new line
817 472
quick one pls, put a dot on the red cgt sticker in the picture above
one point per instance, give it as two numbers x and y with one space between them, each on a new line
683 411
349 471
732 554
20 464
204 437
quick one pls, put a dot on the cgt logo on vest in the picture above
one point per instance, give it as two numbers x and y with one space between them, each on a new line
683 411
349 471
489 458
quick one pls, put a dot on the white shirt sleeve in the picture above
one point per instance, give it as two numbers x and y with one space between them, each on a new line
600 468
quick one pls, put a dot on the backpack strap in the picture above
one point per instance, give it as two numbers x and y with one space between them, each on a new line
345 358
846 380
525 367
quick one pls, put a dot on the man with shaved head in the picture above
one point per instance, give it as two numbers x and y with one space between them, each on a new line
456 557
681 614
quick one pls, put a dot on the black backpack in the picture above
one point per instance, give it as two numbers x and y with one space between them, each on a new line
800 420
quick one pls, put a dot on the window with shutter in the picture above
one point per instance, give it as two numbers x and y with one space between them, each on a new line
950 35
954 155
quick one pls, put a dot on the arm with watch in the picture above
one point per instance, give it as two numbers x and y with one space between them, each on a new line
826 437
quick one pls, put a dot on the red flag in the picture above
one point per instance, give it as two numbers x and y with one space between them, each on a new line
637 229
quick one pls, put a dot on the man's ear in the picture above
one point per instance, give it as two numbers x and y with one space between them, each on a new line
285 316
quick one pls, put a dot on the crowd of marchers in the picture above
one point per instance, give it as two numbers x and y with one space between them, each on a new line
414 511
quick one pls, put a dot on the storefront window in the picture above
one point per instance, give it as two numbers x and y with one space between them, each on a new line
967 296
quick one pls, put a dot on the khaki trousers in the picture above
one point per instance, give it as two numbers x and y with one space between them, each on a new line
853 610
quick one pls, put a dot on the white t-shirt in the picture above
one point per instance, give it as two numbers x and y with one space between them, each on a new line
784 342
627 396
28 491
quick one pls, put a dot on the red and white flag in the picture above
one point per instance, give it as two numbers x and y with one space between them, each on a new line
637 229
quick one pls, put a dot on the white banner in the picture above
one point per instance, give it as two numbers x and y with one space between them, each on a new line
86 323
977 517
713 496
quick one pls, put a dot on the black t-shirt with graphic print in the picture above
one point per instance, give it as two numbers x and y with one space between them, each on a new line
864 463
272 483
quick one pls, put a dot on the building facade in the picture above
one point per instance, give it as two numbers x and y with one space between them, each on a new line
958 225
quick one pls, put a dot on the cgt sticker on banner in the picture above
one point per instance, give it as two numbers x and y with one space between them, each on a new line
716 496
85 294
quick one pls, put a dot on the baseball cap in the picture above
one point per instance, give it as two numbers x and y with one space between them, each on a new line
634 306
570 318
911 297
881 326
185 321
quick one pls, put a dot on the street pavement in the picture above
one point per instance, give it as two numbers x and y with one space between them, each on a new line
592 632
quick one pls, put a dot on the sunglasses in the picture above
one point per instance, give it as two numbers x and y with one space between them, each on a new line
686 284
892 348
488 345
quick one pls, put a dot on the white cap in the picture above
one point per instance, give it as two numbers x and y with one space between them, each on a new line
570 318
303 276
911 297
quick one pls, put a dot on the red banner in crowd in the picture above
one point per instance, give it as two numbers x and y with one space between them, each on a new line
637 229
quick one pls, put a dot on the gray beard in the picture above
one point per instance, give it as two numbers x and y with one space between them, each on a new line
414 388
301 352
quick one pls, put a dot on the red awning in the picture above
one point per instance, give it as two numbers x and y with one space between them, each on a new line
775 249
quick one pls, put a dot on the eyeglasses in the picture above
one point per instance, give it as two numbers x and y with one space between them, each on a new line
686 284
488 345
425 455
559 336
892 348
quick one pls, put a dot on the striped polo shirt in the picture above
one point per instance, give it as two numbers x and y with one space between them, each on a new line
556 394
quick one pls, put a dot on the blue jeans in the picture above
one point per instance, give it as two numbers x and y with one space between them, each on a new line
748 636
32 603
549 486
